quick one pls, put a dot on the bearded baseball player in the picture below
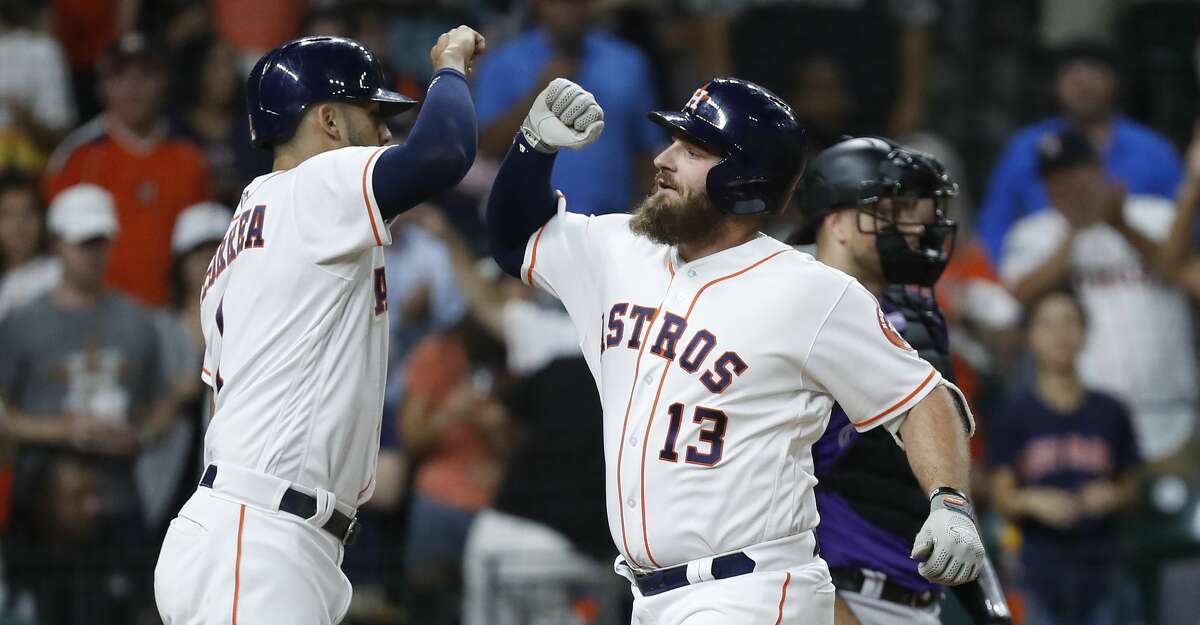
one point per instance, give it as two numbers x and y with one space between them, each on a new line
877 211
719 353
295 324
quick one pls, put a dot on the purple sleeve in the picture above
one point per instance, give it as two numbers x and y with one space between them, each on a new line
438 153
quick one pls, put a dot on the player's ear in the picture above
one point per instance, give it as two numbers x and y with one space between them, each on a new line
835 223
329 121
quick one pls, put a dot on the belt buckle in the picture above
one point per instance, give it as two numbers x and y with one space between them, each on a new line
352 532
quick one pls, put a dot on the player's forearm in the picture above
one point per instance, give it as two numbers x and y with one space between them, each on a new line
936 442
521 201
439 151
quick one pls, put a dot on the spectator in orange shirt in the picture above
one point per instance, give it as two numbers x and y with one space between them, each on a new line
130 151
456 435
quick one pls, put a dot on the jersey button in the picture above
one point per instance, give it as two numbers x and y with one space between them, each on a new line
691 273
631 502
649 379
633 441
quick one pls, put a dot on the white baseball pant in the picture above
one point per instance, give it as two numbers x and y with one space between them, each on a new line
237 559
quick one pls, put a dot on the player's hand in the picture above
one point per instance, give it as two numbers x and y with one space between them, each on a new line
948 544
457 49
563 115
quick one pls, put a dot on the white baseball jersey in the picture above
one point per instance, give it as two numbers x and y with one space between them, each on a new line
1139 337
716 376
295 327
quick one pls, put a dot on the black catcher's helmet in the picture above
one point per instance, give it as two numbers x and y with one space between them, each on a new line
860 173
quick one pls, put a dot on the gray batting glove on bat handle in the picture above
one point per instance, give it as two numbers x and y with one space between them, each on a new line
948 545
563 115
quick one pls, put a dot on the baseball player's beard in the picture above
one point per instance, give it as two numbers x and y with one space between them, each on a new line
671 221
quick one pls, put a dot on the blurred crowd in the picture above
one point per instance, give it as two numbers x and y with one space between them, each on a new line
1072 292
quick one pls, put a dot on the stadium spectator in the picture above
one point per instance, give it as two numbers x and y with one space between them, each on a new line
457 435
131 151
411 23
328 21
563 43
167 469
255 27
25 270
214 119
1064 460
1085 91
821 98
887 66
59 554
36 108
1180 258
544 534
422 296
80 366
86 29
1139 343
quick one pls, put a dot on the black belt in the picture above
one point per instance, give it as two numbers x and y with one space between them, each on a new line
662 580
304 506
853 580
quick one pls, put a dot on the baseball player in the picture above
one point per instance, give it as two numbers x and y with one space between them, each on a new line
294 311
877 211
719 353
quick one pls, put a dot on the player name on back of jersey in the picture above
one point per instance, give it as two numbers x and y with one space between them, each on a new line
245 232
696 350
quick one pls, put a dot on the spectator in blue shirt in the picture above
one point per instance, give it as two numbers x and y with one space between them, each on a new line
1064 458
562 43
1085 88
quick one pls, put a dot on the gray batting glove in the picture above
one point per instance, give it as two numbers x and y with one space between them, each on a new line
949 542
564 115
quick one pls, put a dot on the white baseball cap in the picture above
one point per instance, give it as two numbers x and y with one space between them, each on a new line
199 223
81 213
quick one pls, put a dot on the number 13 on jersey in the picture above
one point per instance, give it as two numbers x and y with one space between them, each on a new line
712 433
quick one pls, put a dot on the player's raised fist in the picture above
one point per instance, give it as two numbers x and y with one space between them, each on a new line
563 115
457 49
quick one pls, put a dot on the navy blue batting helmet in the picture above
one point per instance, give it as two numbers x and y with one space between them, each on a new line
300 73
756 133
